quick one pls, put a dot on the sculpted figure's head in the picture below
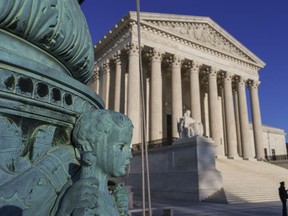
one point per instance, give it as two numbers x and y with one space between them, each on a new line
108 135
187 113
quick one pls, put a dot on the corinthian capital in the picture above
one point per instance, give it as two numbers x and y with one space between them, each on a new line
177 60
96 73
240 80
117 56
195 67
213 71
156 54
132 48
253 84
106 66
227 76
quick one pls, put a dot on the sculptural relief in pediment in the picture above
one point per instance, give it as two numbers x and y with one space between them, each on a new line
203 34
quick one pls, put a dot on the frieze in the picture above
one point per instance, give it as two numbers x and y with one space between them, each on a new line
203 33
167 40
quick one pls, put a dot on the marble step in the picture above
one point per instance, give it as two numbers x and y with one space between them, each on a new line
248 181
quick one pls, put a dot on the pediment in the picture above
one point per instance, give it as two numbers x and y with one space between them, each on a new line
203 31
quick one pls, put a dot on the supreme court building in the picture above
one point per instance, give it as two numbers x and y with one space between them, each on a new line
189 63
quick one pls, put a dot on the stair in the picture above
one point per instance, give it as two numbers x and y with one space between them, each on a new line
248 181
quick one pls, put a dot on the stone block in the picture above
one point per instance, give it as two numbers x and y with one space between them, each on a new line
183 171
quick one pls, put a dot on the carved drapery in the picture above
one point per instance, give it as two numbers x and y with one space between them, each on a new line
58 27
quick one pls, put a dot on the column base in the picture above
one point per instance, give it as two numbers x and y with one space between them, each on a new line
234 157
250 159
220 157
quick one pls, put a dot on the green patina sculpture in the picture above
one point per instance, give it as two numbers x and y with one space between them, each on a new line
46 54
104 146
57 26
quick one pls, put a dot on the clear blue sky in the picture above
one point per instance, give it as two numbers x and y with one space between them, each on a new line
260 25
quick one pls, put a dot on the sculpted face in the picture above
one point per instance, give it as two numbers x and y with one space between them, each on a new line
108 135
119 152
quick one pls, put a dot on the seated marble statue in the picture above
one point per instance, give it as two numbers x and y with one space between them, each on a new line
188 127
103 139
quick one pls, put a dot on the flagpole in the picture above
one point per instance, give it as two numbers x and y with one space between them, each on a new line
143 125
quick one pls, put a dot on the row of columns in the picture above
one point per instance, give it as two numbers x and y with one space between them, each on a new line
236 112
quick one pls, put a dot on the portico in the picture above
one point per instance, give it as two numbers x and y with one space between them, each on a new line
189 63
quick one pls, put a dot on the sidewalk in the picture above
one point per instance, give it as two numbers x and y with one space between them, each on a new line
215 209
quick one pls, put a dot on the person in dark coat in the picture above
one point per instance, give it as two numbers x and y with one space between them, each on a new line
283 197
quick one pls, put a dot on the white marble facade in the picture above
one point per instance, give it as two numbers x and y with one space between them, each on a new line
189 63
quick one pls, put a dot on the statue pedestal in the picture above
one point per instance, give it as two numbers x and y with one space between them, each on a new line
183 171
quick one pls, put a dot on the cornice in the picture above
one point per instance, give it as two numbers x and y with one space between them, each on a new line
116 39
200 46
272 130
165 39
112 35
175 18
111 40
109 50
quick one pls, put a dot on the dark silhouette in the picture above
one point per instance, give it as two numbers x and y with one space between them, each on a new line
10 210
283 197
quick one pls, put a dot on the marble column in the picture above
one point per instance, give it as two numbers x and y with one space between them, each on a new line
195 91
117 90
123 83
230 117
164 102
237 119
147 98
204 107
223 116
96 80
126 77
177 110
256 119
101 82
134 99
206 113
106 67
156 109
214 111
244 121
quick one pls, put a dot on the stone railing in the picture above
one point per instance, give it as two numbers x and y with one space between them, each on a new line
154 144
276 157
